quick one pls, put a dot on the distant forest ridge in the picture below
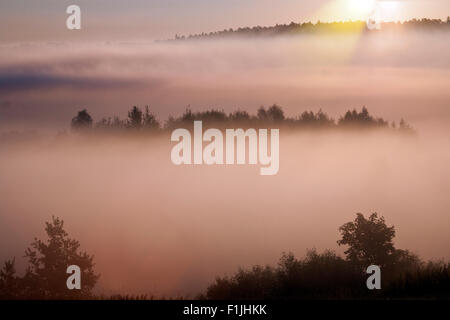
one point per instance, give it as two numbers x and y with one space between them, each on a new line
341 27
274 116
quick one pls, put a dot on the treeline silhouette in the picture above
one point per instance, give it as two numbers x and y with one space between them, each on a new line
274 116
317 276
341 27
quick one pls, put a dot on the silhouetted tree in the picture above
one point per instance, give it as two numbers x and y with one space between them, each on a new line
149 120
239 117
82 121
135 118
319 119
361 119
275 113
370 241
46 276
262 114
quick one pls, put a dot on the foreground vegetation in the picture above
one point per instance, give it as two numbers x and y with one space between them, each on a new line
317 276
329 276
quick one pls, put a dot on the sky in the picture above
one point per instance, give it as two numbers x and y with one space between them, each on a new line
24 20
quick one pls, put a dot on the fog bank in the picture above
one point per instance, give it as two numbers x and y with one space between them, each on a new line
163 229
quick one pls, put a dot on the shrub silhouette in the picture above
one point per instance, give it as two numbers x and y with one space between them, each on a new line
257 283
318 275
9 283
431 281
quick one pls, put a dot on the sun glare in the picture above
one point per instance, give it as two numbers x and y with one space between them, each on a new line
380 9
389 10
361 9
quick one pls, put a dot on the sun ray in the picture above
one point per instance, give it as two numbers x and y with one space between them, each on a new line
346 10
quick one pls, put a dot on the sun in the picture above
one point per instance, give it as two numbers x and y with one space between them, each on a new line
380 9
361 9
389 10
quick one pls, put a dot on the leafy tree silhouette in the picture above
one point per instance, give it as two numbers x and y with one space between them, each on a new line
262 114
370 241
82 121
272 114
275 113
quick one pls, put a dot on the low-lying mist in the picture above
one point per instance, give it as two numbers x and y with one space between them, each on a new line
394 74
163 229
